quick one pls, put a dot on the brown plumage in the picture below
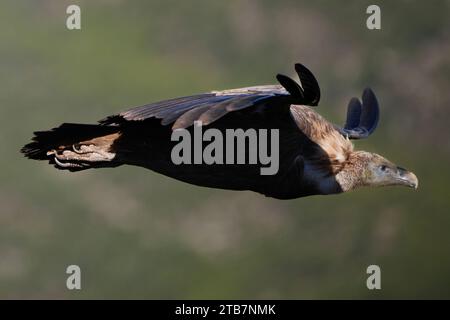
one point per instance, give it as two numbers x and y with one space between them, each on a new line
315 156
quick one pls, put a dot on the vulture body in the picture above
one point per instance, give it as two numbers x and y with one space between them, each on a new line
315 156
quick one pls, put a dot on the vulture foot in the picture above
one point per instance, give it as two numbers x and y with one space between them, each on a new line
80 156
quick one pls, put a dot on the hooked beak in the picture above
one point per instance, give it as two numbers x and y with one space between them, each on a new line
406 178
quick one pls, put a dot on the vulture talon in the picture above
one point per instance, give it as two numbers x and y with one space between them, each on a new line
77 148
67 164
61 164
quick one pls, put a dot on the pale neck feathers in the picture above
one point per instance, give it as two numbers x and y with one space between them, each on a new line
334 159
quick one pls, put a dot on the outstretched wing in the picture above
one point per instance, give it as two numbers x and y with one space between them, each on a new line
362 119
209 107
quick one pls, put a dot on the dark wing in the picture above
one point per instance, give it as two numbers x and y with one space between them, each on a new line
309 84
209 107
362 119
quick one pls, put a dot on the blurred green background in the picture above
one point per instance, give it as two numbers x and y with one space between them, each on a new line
137 234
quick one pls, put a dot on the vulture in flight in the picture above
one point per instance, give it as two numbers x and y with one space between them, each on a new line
314 155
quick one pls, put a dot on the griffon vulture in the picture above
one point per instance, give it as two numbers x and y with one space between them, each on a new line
315 156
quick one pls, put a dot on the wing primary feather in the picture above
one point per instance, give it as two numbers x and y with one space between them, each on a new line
311 89
353 114
291 86
209 107
163 109
370 113
362 119
246 102
188 118
219 110
148 110
169 115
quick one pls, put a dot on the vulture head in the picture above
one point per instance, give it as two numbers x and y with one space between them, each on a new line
373 170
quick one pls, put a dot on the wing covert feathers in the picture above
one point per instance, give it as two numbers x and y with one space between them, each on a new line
209 107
